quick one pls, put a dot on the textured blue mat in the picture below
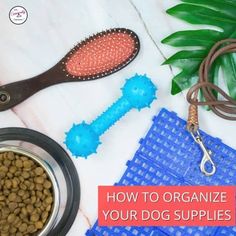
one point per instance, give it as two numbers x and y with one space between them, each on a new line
169 156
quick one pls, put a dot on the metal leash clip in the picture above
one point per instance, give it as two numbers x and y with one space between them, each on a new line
207 155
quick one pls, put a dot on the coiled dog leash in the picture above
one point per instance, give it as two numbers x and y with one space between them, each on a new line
225 109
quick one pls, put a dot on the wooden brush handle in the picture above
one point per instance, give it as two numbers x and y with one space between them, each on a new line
14 93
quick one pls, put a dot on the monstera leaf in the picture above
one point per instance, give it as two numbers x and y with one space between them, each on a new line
219 20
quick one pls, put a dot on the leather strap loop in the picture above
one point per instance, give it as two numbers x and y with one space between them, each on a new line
225 108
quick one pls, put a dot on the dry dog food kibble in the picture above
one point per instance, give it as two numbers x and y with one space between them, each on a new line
26 195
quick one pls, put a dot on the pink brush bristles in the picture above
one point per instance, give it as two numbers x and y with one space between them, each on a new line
102 54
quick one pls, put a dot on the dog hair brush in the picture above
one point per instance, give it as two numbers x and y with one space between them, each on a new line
95 57
83 139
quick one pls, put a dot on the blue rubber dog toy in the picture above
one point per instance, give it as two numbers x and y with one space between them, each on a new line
83 139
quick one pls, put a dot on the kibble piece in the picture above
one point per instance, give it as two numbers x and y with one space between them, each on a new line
44 216
19 163
12 206
3 169
39 225
12 230
47 184
6 227
18 199
27 164
39 171
22 180
5 234
38 204
27 201
25 174
17 220
11 218
27 182
2 222
39 187
39 194
12 169
23 227
2 174
17 173
24 211
17 211
39 180
6 162
49 200
32 186
30 208
48 208
23 186
15 182
6 192
34 217
19 234
8 183
11 156
21 192
31 229
12 197
26 195
9 175
33 199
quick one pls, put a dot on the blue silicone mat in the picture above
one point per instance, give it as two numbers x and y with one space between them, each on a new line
169 156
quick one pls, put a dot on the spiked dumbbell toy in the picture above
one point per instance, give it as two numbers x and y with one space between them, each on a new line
83 139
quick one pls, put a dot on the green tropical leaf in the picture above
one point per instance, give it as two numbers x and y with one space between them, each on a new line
186 60
183 81
217 6
217 13
201 15
229 70
199 38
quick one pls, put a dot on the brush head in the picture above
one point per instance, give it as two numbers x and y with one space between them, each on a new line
102 54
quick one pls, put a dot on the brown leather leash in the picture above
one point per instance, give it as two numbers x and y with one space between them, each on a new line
225 108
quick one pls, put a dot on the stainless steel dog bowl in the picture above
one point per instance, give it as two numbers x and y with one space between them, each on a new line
60 169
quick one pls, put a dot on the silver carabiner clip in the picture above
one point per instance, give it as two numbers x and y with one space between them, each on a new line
206 155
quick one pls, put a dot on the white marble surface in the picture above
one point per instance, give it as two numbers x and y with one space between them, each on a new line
53 27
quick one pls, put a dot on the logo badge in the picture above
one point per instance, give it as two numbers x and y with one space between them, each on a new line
18 15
